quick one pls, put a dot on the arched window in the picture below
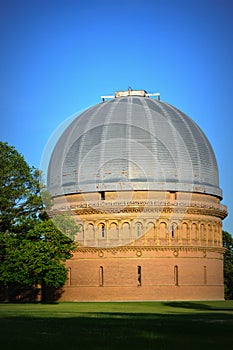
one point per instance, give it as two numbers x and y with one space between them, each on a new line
90 232
139 275
139 229
205 275
102 230
174 226
125 230
101 276
184 231
176 275
113 231
194 231
202 232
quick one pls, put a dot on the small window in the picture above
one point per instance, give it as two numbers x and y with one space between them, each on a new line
205 275
139 276
101 276
173 195
176 275
102 230
173 230
102 195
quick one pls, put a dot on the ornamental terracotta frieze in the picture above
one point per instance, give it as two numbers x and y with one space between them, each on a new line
140 249
97 207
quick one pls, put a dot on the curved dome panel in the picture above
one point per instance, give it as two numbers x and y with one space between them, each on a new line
133 143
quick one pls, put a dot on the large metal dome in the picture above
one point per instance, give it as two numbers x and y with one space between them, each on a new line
133 143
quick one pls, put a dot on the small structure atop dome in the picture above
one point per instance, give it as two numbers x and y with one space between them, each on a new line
131 92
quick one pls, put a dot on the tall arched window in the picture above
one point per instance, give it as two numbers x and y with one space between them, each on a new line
163 230
101 276
174 226
176 275
205 275
102 231
139 229
194 231
90 232
126 230
139 275
113 231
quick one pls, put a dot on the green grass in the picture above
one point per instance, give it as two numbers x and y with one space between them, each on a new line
141 325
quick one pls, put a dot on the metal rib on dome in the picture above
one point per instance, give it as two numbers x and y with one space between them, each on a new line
133 143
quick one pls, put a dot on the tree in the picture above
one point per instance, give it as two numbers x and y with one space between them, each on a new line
38 258
49 249
228 264
32 249
19 191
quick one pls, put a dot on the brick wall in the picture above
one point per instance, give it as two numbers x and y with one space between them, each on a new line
114 275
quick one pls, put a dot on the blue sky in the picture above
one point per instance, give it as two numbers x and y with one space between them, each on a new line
58 57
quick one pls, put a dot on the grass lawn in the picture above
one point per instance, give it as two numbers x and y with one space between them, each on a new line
129 325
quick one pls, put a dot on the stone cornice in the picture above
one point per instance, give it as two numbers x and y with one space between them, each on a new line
118 207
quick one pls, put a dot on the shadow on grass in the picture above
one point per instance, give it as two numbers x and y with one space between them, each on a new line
111 331
198 306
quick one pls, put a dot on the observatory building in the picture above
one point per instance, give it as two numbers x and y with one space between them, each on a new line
141 180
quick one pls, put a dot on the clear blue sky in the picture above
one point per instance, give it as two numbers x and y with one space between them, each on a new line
58 57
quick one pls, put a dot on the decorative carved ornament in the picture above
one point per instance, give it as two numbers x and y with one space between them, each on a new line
140 249
103 207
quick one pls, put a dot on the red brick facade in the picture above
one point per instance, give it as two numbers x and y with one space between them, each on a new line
178 261
192 274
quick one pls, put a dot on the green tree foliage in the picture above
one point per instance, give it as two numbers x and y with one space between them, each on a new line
19 191
36 257
228 265
32 250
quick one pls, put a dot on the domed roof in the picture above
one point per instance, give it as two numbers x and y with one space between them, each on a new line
133 143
